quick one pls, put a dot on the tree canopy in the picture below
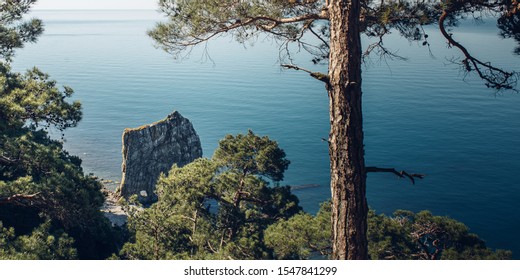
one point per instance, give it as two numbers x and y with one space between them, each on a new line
14 31
306 25
402 236
40 245
45 198
211 209
215 208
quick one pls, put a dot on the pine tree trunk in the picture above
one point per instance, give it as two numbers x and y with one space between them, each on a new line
347 164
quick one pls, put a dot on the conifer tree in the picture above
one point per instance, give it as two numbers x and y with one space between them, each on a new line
216 208
402 236
43 190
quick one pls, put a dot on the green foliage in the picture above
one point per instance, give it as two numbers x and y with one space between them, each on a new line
35 169
301 236
306 23
14 31
192 22
37 176
388 239
215 208
430 237
403 236
40 245
157 233
32 99
251 154
221 208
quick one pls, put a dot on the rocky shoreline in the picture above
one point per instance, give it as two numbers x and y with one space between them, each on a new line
111 208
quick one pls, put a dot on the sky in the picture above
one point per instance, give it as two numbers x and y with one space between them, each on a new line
95 4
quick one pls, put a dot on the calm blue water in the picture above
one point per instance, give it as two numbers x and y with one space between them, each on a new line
419 114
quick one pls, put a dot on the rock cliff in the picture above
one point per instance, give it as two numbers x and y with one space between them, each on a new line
151 150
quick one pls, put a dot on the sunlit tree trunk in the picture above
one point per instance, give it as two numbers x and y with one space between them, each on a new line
348 176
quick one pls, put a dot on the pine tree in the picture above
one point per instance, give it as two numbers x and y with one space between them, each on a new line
215 208
402 236
43 190
330 30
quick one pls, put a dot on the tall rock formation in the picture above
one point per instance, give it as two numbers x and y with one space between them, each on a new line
151 150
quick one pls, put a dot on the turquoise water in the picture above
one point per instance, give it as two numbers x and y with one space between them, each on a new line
420 115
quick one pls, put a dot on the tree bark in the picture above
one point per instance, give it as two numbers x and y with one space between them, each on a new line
347 164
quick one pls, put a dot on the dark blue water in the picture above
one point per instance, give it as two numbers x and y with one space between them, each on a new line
421 115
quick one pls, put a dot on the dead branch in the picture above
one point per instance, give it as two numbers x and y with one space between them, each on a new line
379 48
325 43
316 75
400 174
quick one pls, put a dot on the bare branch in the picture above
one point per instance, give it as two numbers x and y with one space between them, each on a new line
400 174
325 42
7 161
317 75
380 49
494 77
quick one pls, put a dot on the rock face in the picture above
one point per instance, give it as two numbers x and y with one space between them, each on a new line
151 150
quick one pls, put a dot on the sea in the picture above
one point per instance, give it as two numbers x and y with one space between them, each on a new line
422 114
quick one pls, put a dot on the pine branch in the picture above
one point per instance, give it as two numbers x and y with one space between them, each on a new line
400 174
493 77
